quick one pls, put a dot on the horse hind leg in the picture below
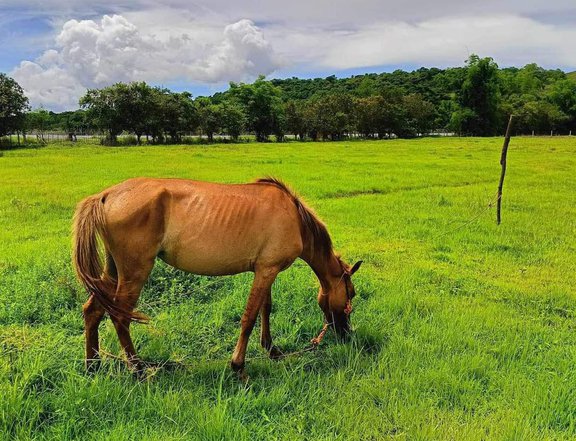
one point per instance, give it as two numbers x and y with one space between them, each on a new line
265 335
93 313
130 284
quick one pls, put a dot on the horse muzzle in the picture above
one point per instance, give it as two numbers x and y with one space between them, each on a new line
341 324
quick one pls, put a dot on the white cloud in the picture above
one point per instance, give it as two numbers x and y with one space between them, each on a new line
242 53
440 42
54 88
95 54
304 12
449 41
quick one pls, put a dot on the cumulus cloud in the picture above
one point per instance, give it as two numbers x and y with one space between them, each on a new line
91 54
243 52
52 87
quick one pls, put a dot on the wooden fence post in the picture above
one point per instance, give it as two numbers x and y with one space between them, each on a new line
503 172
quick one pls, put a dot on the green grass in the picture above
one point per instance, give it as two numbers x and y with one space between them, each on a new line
462 331
571 75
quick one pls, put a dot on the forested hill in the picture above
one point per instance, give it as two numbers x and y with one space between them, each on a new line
473 99
432 83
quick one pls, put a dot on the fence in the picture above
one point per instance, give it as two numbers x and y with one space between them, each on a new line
37 139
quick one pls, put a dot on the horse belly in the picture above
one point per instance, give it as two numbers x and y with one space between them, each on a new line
213 259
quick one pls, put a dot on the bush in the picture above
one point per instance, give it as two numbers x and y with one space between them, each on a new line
127 140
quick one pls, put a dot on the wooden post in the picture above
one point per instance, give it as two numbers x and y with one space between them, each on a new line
503 164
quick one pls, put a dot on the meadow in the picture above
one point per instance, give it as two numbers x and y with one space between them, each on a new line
463 329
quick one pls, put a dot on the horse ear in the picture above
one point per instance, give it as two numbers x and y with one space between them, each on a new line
356 267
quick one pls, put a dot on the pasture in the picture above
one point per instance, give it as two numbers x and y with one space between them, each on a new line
463 330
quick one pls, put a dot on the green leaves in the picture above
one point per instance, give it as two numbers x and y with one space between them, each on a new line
13 104
140 109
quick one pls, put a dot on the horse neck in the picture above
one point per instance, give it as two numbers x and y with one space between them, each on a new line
326 266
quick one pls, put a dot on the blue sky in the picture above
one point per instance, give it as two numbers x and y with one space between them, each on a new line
56 49
21 38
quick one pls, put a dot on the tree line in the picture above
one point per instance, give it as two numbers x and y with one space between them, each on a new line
472 100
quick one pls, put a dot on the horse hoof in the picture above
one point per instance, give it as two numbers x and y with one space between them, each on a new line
243 377
93 365
139 371
140 374
237 367
275 353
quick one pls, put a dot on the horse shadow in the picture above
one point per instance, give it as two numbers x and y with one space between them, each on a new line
333 354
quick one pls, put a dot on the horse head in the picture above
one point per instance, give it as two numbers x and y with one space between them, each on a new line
336 301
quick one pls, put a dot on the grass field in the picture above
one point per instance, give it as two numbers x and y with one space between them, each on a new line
462 330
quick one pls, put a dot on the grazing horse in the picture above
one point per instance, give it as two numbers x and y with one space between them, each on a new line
207 229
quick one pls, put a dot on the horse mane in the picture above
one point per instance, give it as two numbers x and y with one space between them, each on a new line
314 229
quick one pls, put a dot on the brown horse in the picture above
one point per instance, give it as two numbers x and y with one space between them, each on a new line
207 229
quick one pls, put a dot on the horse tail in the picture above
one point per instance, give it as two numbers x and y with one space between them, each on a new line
89 224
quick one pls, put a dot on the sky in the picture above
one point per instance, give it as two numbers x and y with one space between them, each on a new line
56 49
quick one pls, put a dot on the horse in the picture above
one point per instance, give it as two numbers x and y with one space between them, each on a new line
207 229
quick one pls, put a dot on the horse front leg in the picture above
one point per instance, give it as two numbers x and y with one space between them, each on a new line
261 287
265 335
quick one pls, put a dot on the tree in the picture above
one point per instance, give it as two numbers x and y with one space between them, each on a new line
233 119
261 103
562 94
278 121
179 114
540 116
294 119
463 121
103 111
392 112
155 121
310 115
333 115
530 79
140 109
366 114
443 113
73 123
38 120
13 105
480 96
366 87
419 115
135 104
210 117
